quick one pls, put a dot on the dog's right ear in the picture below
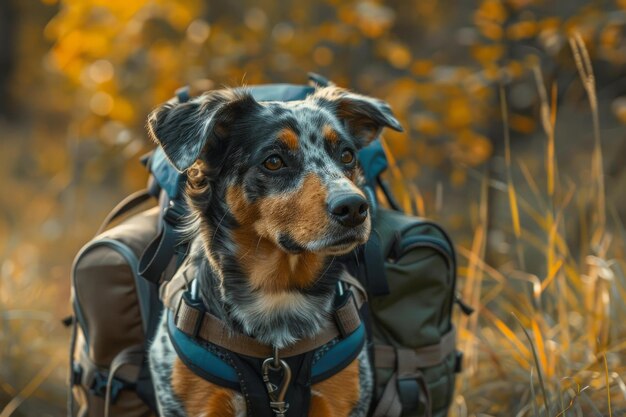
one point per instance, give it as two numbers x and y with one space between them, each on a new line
184 129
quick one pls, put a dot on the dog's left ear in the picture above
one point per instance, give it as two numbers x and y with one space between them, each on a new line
184 130
365 117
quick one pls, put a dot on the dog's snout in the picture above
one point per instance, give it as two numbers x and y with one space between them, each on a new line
349 209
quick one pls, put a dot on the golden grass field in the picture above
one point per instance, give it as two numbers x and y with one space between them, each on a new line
525 193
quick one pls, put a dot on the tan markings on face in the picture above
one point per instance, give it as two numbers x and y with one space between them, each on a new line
330 134
289 138
301 214
202 398
336 396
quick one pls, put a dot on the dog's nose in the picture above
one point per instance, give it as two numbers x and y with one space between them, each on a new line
348 209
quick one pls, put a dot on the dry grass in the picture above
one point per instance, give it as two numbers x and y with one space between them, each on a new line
540 344
554 345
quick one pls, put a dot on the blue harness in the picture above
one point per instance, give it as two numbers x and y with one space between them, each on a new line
244 373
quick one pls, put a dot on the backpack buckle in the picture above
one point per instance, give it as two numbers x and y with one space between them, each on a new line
409 392
458 362
173 213
183 94
98 386
76 376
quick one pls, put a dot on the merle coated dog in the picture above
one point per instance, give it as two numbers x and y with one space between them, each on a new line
273 191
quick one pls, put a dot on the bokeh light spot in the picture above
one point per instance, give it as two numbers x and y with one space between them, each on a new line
101 103
323 56
255 19
101 71
198 31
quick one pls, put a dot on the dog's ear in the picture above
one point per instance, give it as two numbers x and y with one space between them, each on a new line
184 129
364 116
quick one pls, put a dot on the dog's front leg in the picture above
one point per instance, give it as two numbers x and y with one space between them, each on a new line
202 398
347 393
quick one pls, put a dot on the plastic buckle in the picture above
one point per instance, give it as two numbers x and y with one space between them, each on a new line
99 386
458 362
116 387
409 393
76 377
173 213
318 80
182 94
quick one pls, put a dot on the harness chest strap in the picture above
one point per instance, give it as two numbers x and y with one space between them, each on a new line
193 320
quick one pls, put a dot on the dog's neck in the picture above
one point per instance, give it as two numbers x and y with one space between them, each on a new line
264 292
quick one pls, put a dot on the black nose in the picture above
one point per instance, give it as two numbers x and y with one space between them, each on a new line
348 209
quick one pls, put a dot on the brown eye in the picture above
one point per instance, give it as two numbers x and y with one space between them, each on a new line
273 163
347 156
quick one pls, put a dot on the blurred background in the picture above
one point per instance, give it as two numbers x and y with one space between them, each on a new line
514 115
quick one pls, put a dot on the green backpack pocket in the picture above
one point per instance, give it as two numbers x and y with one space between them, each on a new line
415 354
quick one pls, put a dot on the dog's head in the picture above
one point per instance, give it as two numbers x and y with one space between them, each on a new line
281 173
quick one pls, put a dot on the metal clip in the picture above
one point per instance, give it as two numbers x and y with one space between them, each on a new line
277 393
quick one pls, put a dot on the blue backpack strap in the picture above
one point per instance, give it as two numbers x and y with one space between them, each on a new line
169 179
373 161
280 92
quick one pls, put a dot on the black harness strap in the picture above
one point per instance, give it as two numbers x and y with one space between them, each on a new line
158 254
255 393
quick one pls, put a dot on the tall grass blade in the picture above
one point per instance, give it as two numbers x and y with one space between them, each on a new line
585 71
509 179
608 385
533 396
544 392
30 388
589 402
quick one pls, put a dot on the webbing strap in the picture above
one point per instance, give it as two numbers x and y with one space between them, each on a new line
131 356
389 404
405 390
410 380
160 251
192 320
375 266
407 380
72 379
424 357
361 293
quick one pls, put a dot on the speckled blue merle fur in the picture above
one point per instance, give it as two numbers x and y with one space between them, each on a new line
262 181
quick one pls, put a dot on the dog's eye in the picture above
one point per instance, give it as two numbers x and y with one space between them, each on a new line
273 163
347 156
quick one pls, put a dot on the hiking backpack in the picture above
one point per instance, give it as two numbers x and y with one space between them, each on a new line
407 268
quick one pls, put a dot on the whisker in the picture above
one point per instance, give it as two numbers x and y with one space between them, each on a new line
218 227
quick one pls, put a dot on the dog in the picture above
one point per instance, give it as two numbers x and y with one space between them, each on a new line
274 195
